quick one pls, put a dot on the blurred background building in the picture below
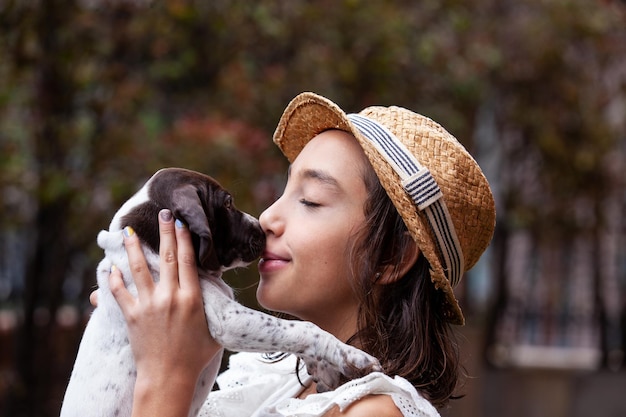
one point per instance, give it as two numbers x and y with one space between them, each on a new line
96 95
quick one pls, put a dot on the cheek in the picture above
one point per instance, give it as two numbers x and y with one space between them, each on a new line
329 256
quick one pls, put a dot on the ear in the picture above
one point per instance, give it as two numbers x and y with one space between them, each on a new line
409 257
187 206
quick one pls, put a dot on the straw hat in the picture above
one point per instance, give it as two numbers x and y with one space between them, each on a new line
434 183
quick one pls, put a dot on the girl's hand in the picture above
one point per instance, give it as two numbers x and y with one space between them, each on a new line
167 326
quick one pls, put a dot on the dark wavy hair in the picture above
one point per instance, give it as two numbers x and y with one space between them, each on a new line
401 322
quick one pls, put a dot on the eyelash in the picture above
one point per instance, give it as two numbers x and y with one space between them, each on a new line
308 203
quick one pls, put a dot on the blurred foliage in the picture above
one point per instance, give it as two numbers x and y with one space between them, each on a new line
95 95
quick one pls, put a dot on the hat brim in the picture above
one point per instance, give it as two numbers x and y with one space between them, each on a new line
308 115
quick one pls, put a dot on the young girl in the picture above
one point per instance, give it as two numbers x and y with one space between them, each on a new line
382 214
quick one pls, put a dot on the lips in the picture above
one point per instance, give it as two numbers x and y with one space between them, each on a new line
271 262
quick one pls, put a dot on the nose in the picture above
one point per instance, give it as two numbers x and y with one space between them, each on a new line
271 221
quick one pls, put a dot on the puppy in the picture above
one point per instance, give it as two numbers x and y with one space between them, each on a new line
104 373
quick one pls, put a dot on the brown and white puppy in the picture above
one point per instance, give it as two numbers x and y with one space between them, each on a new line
104 372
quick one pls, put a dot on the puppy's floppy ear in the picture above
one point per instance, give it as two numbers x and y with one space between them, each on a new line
187 206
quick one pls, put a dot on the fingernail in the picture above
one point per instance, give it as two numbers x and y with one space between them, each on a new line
113 269
180 224
128 231
166 215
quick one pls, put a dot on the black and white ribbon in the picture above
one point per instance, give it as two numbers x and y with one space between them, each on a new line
421 187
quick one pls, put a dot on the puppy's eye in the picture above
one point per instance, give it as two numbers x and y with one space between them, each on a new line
228 203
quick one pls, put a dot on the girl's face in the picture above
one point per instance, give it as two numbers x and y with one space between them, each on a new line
305 270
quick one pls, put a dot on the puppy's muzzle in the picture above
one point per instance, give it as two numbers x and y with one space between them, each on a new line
256 242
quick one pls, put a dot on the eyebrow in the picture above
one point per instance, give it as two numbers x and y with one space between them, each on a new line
319 175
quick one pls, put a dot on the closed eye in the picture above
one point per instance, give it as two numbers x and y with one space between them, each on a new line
308 203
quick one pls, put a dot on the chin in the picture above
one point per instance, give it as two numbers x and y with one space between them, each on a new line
264 299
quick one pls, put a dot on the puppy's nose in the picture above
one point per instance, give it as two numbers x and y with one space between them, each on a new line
257 242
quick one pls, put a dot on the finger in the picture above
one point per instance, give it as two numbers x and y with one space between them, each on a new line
187 269
167 250
93 298
121 294
137 263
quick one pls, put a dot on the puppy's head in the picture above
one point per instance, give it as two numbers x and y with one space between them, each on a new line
223 236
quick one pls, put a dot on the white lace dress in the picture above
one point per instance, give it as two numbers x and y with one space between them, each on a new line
254 386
